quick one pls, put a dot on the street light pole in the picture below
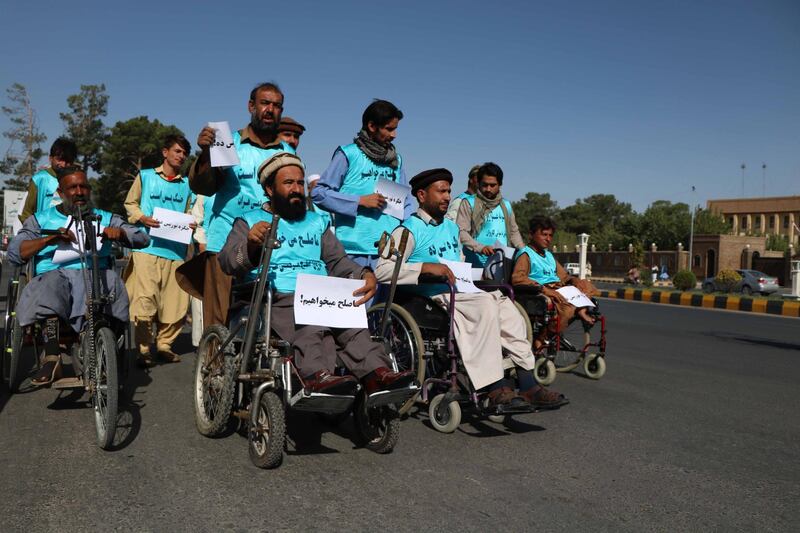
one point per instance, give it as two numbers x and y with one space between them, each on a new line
763 179
743 167
691 235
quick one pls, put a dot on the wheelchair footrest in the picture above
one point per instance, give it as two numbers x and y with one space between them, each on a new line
318 402
68 383
389 397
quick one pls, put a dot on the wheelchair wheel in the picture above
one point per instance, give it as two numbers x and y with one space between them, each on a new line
378 428
544 371
12 336
266 440
444 420
404 339
527 320
106 386
214 380
594 366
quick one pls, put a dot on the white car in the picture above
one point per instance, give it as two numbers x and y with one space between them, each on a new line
573 269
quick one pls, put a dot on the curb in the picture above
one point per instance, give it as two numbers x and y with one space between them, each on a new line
731 303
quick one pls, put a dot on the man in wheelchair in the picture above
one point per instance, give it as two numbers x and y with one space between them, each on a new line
57 295
307 247
486 323
536 266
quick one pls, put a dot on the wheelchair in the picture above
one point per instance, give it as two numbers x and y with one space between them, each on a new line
420 336
246 373
99 355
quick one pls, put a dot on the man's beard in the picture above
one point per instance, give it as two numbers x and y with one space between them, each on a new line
260 127
70 207
288 210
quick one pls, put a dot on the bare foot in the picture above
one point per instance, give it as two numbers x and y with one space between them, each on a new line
585 316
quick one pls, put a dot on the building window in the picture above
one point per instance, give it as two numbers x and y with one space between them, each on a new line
758 222
785 221
696 260
744 222
772 222
730 221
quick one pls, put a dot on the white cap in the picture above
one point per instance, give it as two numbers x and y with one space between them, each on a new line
312 178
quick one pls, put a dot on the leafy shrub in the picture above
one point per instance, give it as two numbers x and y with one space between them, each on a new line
684 280
727 279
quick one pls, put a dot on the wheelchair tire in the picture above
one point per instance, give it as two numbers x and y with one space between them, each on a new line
527 320
544 371
406 333
444 421
594 365
214 383
378 428
266 441
12 336
106 387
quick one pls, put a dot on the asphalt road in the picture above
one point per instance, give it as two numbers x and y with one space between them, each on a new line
694 427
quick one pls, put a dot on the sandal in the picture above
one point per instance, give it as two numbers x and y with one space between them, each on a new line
169 356
50 371
541 398
145 361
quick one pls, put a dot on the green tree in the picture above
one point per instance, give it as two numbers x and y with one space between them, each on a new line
665 224
131 145
602 216
533 204
84 123
19 164
709 223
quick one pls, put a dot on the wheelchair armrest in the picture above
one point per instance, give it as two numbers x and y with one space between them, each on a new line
430 278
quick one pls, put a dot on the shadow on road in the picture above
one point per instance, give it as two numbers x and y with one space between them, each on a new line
760 341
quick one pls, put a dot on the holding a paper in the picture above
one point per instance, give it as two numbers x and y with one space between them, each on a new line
159 200
309 303
536 265
486 324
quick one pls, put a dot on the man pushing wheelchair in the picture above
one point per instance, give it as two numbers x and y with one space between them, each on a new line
56 296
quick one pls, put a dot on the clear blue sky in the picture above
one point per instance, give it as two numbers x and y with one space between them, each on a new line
638 99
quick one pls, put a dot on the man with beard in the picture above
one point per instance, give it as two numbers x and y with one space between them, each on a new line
236 190
57 291
44 183
156 299
487 218
347 187
486 323
472 188
307 247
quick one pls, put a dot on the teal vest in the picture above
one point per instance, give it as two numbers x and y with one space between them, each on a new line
52 219
543 269
300 251
494 229
358 234
240 191
158 192
432 242
46 185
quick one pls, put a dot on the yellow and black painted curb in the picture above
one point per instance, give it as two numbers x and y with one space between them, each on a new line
708 301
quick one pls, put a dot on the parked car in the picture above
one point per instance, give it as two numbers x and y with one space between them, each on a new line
574 269
753 281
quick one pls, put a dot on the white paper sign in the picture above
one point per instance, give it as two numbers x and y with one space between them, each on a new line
69 251
575 296
174 225
508 250
463 274
477 274
328 302
223 153
395 194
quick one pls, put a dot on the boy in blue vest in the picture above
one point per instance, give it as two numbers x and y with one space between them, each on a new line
486 218
156 299
536 265
235 190
43 184
307 247
486 323
347 187
57 292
